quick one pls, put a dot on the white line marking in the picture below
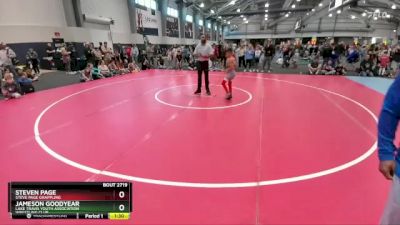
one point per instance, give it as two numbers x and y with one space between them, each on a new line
156 96
67 161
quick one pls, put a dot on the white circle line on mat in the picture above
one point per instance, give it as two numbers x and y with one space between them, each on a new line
157 97
336 169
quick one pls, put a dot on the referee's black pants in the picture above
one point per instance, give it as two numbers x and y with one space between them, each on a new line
202 66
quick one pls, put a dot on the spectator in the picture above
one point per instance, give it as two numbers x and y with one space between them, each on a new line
24 82
257 55
50 50
104 70
160 62
395 59
133 67
179 59
384 62
286 55
97 56
107 52
6 58
340 69
366 67
96 73
10 88
241 52
328 69
249 57
66 57
135 53
86 74
30 75
314 67
269 52
32 59
89 54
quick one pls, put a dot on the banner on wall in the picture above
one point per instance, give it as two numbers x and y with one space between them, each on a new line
172 27
188 30
147 21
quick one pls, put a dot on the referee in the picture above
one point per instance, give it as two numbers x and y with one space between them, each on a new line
203 52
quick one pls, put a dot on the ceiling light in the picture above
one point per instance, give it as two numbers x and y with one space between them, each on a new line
375 18
241 16
353 17
266 15
219 17
266 18
212 11
313 10
339 11
320 4
267 5
364 14
308 14
266 10
293 6
246 21
229 22
394 31
237 10
202 4
394 6
298 0
388 16
232 2
377 10
287 15
330 15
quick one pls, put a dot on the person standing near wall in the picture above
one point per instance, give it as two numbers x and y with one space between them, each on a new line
6 59
33 58
135 53
203 52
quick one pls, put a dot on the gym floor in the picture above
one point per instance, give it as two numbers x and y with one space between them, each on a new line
287 149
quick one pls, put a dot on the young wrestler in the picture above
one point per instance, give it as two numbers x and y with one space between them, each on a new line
230 73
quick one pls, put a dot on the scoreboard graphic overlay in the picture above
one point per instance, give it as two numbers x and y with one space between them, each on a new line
70 200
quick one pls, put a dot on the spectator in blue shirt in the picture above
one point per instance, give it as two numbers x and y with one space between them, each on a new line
249 57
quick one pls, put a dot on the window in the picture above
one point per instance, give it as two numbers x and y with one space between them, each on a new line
215 27
209 25
200 22
172 12
189 18
152 4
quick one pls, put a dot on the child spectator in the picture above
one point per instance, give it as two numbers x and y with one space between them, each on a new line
314 67
160 62
10 88
104 70
366 67
96 73
340 69
328 69
249 57
179 59
24 82
113 68
33 58
29 74
86 74
133 68
384 63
